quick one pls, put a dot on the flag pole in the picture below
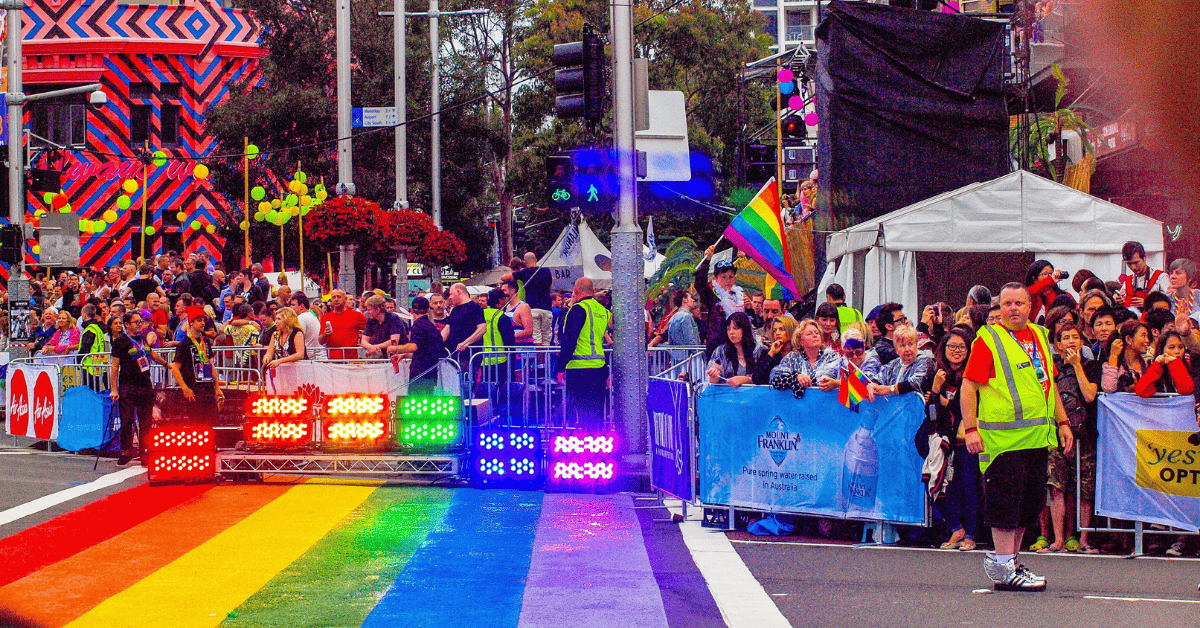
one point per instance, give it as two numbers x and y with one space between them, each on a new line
703 258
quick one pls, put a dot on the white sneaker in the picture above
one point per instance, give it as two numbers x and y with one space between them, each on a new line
1010 576
1176 549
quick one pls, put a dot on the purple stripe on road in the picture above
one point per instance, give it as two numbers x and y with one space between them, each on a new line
590 568
685 594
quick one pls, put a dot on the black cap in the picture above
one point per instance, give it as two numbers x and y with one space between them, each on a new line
724 265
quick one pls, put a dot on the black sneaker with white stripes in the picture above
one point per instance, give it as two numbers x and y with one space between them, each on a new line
1018 578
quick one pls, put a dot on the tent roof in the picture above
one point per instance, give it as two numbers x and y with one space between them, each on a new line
1018 212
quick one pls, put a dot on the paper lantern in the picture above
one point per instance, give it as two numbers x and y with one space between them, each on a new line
276 203
811 119
59 201
123 202
210 228
130 186
181 217
305 200
85 226
292 199
785 75
304 211
160 158
99 226
258 193
787 88
110 216
259 216
796 102
65 209
244 225
200 172
196 225
264 207
303 190
320 188
149 230
301 177
48 198
252 152
37 249
271 215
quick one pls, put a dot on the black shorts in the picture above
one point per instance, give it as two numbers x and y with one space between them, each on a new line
1014 489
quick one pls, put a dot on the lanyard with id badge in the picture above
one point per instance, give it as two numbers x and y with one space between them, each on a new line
143 360
201 362
1035 356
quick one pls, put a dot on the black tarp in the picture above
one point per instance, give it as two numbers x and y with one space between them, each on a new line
911 104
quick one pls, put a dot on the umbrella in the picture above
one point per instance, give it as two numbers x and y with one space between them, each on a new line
490 278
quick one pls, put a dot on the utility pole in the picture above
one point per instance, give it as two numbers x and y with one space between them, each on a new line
345 185
14 12
629 354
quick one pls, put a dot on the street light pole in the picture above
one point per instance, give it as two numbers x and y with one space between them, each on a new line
629 353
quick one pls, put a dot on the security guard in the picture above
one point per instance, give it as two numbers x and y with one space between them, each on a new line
1012 427
582 355
91 344
497 335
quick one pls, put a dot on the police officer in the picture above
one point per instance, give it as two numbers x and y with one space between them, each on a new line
91 344
582 355
1017 418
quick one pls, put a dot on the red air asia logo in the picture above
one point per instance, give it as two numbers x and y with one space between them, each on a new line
18 404
43 406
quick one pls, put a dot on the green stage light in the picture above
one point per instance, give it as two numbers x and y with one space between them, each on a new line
430 407
425 432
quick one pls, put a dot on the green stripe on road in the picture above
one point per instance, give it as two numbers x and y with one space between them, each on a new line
344 575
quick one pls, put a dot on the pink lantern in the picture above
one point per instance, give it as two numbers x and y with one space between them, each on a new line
795 103
786 76
810 119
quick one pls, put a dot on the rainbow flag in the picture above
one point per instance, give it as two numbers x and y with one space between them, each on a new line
854 386
323 552
758 232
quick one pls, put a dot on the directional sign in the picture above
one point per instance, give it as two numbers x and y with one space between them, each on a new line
366 117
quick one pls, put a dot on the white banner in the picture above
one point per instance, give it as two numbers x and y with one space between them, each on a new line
1147 471
32 397
379 378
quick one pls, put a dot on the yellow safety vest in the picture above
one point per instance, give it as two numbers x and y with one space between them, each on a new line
1014 411
491 335
95 364
846 316
589 348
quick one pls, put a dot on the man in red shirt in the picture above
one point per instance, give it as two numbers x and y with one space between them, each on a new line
1017 416
341 328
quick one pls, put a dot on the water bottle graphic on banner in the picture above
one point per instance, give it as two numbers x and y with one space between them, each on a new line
860 473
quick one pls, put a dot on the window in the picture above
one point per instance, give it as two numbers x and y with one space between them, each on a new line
169 91
764 3
139 124
172 241
799 26
170 125
63 122
140 91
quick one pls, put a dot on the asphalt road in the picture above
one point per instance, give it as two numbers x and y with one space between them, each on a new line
27 474
839 585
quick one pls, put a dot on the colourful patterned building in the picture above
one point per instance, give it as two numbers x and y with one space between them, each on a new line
163 64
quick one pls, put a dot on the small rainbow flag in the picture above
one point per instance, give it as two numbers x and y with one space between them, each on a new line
854 386
758 232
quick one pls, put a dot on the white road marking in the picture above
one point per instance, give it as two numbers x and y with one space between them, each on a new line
54 499
898 548
741 599
1139 599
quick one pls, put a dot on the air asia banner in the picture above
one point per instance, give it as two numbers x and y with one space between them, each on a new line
31 394
1146 469
764 449
670 438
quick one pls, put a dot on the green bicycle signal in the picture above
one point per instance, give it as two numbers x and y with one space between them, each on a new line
560 195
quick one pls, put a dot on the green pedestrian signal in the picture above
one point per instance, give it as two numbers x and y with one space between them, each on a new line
593 194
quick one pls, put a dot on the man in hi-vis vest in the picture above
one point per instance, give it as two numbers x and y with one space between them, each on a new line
1016 419
582 356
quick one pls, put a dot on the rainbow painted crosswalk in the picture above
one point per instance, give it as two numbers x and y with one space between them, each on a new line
332 553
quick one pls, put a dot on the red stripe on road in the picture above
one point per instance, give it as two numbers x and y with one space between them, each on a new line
47 543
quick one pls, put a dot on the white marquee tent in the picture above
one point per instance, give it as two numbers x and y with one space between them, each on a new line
579 253
877 261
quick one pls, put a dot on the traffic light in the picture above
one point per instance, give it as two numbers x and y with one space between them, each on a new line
560 182
595 179
793 126
518 234
579 78
11 248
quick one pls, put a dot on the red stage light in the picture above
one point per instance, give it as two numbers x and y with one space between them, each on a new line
180 467
355 405
276 406
181 438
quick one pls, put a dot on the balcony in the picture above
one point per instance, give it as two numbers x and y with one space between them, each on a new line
802 33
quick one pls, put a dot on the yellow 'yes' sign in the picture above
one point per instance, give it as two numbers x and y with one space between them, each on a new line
1167 463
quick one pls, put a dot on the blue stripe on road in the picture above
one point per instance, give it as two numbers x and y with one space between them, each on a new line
471 569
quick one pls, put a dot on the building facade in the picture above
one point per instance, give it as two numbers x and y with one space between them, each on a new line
163 65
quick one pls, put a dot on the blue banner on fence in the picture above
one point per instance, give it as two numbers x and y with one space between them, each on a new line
1146 468
670 439
764 449
87 419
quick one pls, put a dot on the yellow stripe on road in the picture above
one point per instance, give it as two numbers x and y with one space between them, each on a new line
203 586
